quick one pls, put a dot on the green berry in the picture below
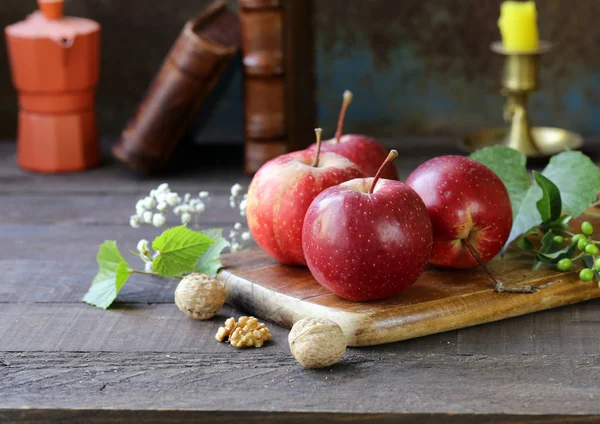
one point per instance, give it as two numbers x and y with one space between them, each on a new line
564 264
581 244
576 238
591 249
586 275
559 239
597 264
587 228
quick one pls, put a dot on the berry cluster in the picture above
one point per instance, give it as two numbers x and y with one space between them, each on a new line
587 246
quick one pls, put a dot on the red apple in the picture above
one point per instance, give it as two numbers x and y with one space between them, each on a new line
367 238
281 192
364 151
469 209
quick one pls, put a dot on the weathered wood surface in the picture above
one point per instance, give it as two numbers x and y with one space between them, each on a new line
126 363
439 301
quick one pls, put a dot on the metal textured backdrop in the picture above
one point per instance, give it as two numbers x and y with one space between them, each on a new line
415 66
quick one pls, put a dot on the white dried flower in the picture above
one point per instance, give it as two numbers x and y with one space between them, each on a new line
143 248
148 267
186 217
232 204
172 199
200 207
162 206
237 226
236 190
203 194
148 202
243 207
147 217
235 247
246 236
158 220
164 187
187 197
135 221
139 207
232 234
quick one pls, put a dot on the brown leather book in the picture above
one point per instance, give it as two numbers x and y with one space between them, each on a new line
190 71
277 48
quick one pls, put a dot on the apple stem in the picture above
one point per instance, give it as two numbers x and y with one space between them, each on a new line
499 286
390 157
340 125
318 132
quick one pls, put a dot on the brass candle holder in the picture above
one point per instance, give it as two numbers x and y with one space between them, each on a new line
520 78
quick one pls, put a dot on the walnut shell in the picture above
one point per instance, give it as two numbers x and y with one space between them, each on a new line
317 343
199 296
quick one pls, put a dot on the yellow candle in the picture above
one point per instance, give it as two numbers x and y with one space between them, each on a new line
518 26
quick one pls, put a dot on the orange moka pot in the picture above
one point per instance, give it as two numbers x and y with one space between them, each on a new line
55 67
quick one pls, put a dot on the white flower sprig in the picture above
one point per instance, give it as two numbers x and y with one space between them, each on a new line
239 235
151 209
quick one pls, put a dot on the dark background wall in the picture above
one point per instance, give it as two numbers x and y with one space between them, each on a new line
415 66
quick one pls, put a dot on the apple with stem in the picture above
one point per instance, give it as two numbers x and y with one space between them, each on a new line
364 151
470 211
281 192
368 238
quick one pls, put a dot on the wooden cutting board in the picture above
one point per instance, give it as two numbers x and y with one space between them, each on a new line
441 300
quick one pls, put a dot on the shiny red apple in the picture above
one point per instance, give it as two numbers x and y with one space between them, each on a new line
367 238
364 151
469 209
281 192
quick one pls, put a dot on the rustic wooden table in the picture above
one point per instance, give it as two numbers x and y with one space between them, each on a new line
144 361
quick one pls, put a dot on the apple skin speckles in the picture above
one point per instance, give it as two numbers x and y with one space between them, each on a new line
281 192
465 200
367 246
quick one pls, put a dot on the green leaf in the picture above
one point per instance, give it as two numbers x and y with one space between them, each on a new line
527 215
180 248
575 175
113 272
561 224
524 244
510 166
577 178
547 255
210 262
550 205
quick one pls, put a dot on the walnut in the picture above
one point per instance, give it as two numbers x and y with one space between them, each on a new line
199 296
224 332
246 332
317 343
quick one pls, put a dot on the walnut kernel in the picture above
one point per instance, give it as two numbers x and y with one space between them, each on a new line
317 343
199 296
246 332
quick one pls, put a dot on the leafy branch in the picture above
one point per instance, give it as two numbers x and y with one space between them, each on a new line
179 251
545 204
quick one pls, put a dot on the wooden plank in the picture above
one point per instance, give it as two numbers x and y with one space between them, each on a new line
439 301
126 327
126 416
163 328
256 381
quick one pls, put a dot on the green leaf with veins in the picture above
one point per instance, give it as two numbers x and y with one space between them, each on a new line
210 262
577 178
550 205
575 175
179 249
113 272
510 166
